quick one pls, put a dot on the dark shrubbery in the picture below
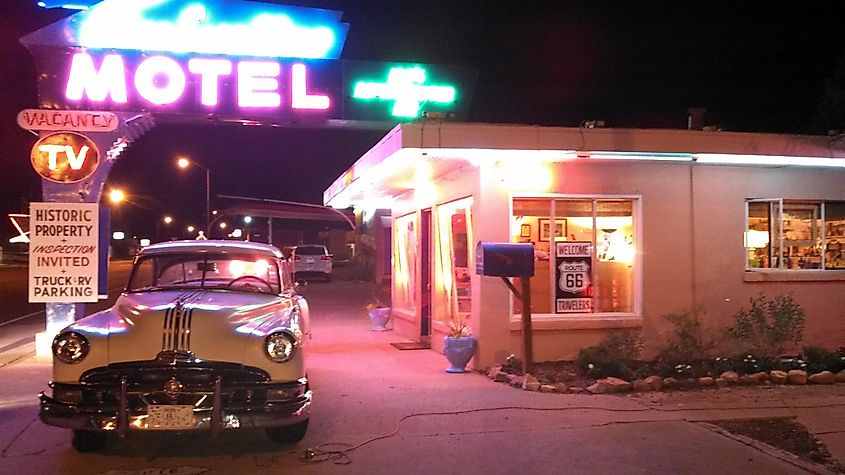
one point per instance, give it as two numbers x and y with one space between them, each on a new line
611 356
769 325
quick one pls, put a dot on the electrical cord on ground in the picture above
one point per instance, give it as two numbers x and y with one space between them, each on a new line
338 452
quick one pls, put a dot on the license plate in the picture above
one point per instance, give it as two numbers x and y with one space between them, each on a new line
170 417
309 260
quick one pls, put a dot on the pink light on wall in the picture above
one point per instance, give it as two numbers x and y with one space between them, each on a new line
85 80
156 91
300 98
209 71
258 84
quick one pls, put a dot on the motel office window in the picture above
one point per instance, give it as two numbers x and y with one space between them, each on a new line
584 253
795 235
453 235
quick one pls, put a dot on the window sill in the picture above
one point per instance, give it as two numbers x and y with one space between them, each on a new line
777 275
579 322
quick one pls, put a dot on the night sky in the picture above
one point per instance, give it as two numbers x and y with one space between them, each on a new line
755 66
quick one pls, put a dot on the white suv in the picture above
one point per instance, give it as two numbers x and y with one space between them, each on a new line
312 260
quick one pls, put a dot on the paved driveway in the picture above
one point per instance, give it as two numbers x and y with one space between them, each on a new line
413 417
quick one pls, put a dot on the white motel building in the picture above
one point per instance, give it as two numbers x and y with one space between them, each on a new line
628 226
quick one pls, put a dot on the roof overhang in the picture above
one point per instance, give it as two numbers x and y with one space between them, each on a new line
392 167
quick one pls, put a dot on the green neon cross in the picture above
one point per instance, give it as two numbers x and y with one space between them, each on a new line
405 86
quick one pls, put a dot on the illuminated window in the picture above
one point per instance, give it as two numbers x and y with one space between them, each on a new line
584 253
452 261
405 262
795 235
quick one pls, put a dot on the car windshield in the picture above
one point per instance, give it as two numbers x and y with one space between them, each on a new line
245 272
310 250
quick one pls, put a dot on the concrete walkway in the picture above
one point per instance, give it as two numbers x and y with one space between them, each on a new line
403 413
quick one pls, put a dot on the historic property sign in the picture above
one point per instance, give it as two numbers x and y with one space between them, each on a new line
63 252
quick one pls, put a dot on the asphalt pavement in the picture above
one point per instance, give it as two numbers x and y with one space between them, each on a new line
381 410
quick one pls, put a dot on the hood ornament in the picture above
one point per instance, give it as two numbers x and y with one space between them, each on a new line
173 387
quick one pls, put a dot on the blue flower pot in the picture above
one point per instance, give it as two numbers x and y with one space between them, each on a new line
379 317
458 351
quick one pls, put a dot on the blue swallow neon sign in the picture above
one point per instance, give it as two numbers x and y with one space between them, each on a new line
218 27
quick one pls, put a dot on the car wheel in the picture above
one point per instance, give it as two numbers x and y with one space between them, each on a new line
88 440
288 435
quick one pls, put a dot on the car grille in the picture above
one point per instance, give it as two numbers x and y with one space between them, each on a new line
176 334
147 380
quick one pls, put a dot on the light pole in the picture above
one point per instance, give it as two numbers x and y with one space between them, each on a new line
185 163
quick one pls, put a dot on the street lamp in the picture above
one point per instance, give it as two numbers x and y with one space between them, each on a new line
116 195
185 163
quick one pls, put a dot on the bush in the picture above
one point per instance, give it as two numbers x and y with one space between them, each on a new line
689 342
819 359
610 357
769 325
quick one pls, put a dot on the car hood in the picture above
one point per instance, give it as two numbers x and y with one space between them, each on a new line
213 325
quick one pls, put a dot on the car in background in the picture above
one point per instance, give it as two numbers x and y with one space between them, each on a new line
312 260
208 335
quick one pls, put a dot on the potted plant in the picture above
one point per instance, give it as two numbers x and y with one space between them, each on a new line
458 346
379 314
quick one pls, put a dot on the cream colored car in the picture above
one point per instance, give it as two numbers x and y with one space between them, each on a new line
208 335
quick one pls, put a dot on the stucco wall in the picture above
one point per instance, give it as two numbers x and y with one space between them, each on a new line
690 251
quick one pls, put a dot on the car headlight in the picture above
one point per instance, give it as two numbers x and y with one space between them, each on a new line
279 346
70 347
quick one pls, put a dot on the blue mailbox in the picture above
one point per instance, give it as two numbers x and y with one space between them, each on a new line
504 259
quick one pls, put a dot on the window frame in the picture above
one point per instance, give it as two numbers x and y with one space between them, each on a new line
777 207
637 271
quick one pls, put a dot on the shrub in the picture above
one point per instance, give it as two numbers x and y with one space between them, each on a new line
689 342
769 325
609 357
819 359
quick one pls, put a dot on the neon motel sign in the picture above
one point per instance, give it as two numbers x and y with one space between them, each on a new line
231 59
163 81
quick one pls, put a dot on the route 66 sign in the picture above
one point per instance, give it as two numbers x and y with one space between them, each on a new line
574 261
574 277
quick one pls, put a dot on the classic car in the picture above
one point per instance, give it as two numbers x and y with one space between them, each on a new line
208 335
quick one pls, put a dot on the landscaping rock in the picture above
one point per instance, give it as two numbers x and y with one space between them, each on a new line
576 390
641 386
548 388
561 388
610 386
495 370
516 380
502 377
530 383
670 383
839 377
706 381
760 377
825 377
654 382
756 378
721 383
730 376
778 377
796 376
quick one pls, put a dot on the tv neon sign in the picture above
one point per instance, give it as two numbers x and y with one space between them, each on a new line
405 87
163 81
220 27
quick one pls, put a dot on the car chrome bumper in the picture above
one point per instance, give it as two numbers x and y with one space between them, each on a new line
215 417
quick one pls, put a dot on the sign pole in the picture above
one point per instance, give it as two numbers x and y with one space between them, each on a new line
527 341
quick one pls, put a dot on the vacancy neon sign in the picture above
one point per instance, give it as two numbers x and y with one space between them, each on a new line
162 81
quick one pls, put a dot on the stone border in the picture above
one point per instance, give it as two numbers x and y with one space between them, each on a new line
657 383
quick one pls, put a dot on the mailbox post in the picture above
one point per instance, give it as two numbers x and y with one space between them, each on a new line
507 259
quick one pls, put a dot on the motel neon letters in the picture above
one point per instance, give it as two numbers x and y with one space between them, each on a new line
162 81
